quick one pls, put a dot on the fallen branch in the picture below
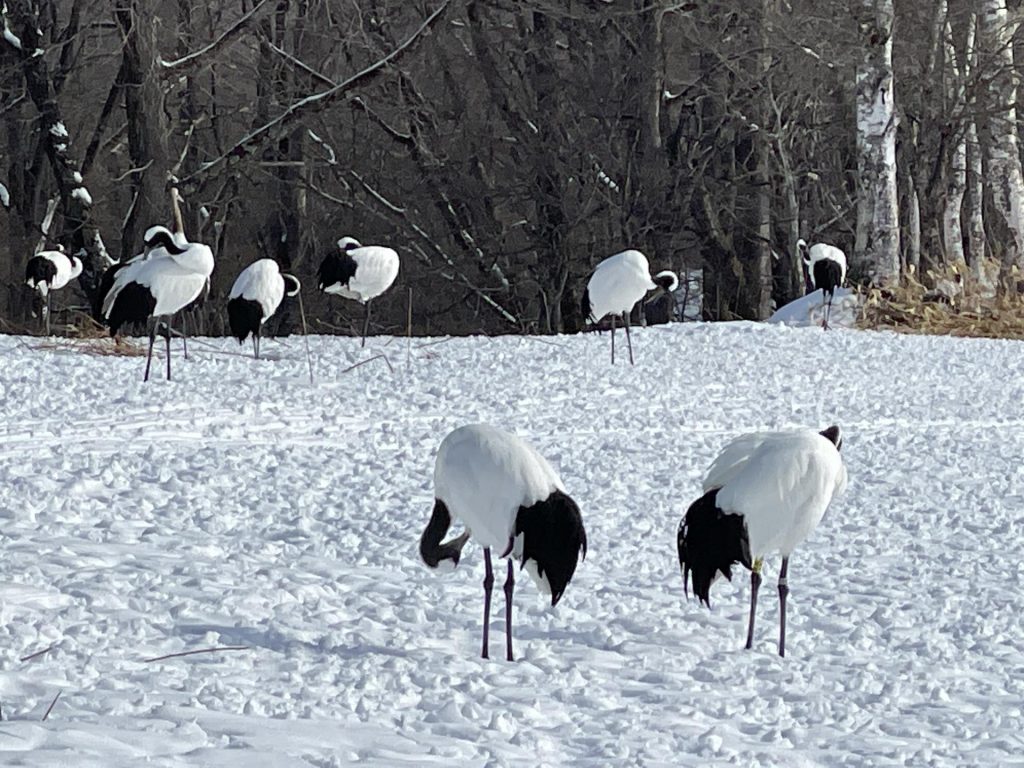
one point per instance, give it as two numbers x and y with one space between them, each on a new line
179 654
370 360
53 703
31 656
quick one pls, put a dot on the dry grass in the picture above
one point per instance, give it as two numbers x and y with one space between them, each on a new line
100 347
956 304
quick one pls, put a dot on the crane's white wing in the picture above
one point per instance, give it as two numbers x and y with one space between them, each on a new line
618 282
783 488
261 281
822 251
484 474
376 270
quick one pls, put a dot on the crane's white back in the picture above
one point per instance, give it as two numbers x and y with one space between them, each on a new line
782 488
484 475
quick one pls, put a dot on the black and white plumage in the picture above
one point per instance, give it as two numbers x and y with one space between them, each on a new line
510 499
360 272
168 276
765 493
826 269
50 271
617 284
258 291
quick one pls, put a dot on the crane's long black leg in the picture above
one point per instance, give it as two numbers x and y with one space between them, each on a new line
510 583
629 341
366 324
184 333
46 313
149 357
256 341
613 339
755 583
783 594
167 338
488 583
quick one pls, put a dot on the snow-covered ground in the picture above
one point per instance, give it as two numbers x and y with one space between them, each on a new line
239 506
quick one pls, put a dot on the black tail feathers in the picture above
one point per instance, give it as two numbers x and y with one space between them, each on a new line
710 541
554 538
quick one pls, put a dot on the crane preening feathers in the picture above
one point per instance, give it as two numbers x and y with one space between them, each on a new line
166 277
49 271
617 284
509 498
826 269
360 272
258 291
765 493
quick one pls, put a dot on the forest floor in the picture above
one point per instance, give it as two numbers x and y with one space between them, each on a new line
239 506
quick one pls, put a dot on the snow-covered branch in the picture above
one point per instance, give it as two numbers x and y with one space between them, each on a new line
225 37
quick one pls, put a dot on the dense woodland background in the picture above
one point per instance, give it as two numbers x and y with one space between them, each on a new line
505 147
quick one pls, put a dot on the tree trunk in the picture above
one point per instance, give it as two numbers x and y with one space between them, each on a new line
876 255
148 126
956 185
1006 180
975 170
80 234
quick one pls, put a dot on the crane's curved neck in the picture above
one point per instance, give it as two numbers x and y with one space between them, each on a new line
432 550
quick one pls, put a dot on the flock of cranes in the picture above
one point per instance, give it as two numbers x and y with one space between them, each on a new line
764 494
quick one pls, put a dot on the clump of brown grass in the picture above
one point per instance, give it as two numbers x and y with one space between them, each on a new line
100 346
955 302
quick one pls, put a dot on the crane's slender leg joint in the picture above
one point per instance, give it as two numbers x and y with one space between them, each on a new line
755 583
510 583
783 594
613 339
488 584
167 338
629 341
149 357
366 323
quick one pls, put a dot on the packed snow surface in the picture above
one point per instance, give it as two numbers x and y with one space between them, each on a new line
239 506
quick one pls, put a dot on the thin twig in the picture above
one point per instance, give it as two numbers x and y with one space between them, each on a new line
445 340
31 656
370 360
218 649
49 709
305 337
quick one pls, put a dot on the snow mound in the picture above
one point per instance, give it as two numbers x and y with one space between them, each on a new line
810 310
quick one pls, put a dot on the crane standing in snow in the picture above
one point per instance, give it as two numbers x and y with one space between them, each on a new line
509 498
617 284
360 272
50 271
255 296
826 269
167 277
765 493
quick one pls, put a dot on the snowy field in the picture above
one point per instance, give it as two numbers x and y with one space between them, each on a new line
239 506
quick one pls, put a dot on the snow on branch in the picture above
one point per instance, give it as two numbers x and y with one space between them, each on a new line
12 39
309 104
230 32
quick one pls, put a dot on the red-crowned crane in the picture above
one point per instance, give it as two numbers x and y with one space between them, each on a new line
617 284
510 499
765 493
168 276
255 296
50 271
360 272
826 269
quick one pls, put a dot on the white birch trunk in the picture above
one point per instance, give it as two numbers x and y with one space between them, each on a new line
913 246
975 170
877 248
1005 177
956 186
